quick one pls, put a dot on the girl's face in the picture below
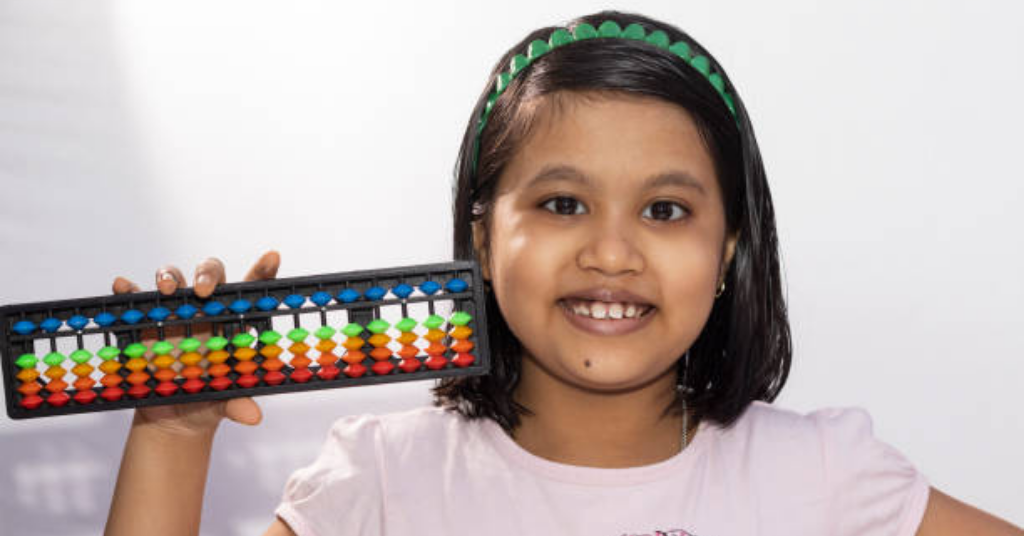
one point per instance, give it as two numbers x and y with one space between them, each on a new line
610 208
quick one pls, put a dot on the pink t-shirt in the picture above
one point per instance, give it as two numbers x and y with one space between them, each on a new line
775 472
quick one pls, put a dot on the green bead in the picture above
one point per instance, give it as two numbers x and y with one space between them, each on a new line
460 318
681 49
190 344
80 356
298 335
609 28
702 64
378 326
162 348
136 349
560 37
352 330
242 340
634 31
53 359
325 332
658 38
537 48
270 337
502 82
518 63
216 343
433 321
27 361
108 352
406 324
584 31
717 82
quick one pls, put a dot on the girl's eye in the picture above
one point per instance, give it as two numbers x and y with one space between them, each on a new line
564 206
665 211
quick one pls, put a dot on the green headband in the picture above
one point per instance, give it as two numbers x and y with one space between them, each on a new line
607 29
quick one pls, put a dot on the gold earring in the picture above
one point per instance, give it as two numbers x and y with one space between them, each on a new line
721 289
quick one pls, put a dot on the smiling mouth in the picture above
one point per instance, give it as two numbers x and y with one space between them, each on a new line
607 311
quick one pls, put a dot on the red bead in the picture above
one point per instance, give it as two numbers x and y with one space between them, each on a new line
328 372
58 399
409 365
301 375
111 394
84 397
354 370
220 383
166 388
139 390
435 362
273 377
193 385
31 402
382 368
247 380
463 360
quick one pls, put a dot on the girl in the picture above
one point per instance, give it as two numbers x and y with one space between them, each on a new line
611 187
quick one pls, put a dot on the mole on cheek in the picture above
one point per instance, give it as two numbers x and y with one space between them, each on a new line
586 363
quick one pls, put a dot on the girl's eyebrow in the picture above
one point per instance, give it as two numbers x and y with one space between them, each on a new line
565 172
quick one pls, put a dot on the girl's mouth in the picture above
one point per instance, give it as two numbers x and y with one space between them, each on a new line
604 318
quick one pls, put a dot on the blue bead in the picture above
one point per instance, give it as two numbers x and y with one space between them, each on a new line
375 293
132 316
294 301
186 311
105 319
430 287
402 291
240 306
159 314
266 303
320 298
348 295
50 325
456 285
213 308
24 327
78 322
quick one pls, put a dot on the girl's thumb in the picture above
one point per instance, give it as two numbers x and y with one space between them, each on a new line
243 411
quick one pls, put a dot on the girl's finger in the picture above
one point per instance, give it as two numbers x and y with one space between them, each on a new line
169 278
265 268
209 274
124 286
243 411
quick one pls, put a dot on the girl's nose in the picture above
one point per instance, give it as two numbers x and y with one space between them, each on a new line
611 250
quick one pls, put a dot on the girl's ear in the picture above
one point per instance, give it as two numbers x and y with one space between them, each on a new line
481 252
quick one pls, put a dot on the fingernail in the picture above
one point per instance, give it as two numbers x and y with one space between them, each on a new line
203 280
164 276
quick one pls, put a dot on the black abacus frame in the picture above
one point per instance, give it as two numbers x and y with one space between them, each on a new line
471 300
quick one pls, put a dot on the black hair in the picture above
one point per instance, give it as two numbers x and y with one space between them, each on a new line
744 351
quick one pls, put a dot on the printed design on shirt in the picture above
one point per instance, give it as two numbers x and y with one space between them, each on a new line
670 532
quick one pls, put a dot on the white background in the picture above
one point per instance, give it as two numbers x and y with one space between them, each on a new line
133 134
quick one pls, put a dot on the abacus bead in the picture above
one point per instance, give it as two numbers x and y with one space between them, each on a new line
378 326
111 380
462 346
430 287
190 358
136 349
298 349
320 298
216 343
50 325
82 369
58 399
460 318
104 319
159 314
407 337
162 347
352 329
348 295
456 285
240 306
406 324
353 343
266 303
378 340
132 316
402 291
110 367
80 356
24 327
27 361
298 334
31 402
271 351
294 301
186 311
433 321
53 359
27 375
242 340
213 308
108 352
325 332
270 337
375 293
189 344
78 322
461 332
434 335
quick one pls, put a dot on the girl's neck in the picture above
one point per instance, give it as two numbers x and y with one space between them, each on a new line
575 426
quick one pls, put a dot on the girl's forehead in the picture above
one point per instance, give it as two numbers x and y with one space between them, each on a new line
610 137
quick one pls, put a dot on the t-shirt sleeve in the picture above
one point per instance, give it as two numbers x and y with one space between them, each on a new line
875 489
339 493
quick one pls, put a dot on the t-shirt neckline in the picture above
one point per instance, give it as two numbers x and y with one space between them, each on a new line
599 476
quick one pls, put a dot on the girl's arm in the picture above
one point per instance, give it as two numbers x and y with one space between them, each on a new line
946 516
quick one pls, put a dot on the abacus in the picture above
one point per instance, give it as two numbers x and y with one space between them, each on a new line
246 339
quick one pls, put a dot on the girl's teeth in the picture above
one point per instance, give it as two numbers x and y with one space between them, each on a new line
581 309
615 310
602 310
598 311
630 311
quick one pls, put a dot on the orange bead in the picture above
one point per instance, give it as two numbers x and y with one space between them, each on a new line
163 361
435 348
55 373
191 372
56 386
137 378
82 369
298 348
353 343
461 332
217 356
111 380
218 370
271 351
434 335
353 357
136 364
273 365
462 346
327 359
378 340
110 367
85 383
190 359
300 361
165 374
246 367
407 338
31 388
245 354
28 375
381 353
409 351
326 345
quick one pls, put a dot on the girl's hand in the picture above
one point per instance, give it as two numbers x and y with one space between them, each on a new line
197 418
